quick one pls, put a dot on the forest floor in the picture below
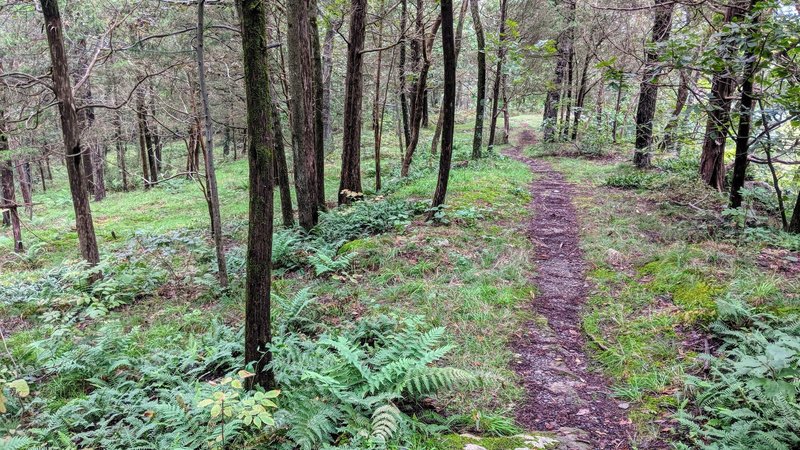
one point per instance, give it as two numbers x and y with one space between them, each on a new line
583 289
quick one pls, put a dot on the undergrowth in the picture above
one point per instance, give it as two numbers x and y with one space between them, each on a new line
750 397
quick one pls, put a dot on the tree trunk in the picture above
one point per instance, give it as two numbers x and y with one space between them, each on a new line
354 86
648 95
501 54
402 72
281 168
302 102
211 175
120 147
258 334
145 142
319 137
712 159
480 106
617 107
377 124
23 175
9 200
70 130
437 134
567 110
745 119
668 141
583 90
327 72
553 100
417 98
506 117
448 104
99 165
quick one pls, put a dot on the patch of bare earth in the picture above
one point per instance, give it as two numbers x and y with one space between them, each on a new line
564 394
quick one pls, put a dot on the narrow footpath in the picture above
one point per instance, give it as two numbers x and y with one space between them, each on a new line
564 395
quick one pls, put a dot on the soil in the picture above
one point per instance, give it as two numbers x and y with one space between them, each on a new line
564 394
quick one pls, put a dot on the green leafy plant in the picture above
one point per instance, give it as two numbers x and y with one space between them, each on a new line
325 261
751 396
229 404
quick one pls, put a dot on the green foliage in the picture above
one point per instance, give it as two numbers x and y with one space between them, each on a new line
359 378
631 180
364 218
355 384
325 261
751 396
67 294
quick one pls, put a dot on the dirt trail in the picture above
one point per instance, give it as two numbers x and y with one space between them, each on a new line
564 395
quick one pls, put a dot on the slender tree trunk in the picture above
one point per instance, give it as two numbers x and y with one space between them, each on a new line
506 117
42 176
617 106
437 134
282 169
583 90
376 108
648 95
745 119
416 110
668 141
712 158
24 187
354 86
327 72
448 103
9 200
501 54
480 106
567 110
319 137
145 142
258 334
402 71
85 115
303 100
553 100
70 130
211 175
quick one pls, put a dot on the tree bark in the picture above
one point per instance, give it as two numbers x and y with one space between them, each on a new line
648 96
87 241
258 334
282 169
319 137
501 54
211 175
327 72
712 158
24 177
302 102
480 105
417 98
437 134
9 200
354 85
402 72
745 119
448 104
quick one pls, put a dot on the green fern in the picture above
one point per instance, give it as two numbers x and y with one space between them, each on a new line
751 397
